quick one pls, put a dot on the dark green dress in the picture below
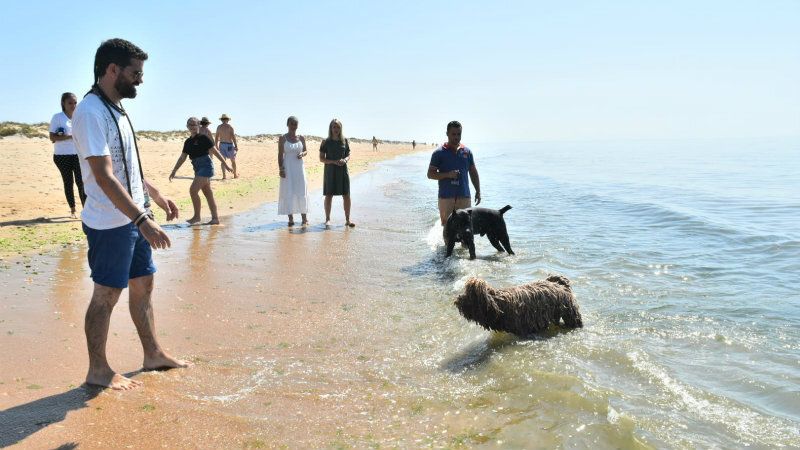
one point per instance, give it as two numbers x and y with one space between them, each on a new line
336 179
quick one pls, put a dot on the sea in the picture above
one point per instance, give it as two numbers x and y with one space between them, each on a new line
684 256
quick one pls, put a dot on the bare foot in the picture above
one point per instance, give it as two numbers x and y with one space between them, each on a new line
236 175
327 223
193 220
163 361
213 221
305 223
350 224
111 380
73 215
291 223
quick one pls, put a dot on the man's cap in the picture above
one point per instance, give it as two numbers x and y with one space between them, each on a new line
224 117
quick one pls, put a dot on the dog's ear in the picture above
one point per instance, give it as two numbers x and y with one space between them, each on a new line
559 279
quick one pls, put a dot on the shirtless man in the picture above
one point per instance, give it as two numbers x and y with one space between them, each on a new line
225 141
374 144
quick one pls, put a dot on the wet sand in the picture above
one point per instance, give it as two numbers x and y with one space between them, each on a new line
294 334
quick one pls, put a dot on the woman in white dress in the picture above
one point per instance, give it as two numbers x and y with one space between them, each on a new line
293 194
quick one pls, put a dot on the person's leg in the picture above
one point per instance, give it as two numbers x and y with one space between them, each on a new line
233 166
194 190
462 203
78 178
328 202
305 218
346 203
98 317
446 206
291 219
212 204
62 162
223 150
141 308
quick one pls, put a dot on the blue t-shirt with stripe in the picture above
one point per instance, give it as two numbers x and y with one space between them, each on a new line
445 160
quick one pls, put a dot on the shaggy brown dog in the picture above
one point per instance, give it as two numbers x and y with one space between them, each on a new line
522 310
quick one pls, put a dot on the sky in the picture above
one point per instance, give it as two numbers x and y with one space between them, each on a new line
509 71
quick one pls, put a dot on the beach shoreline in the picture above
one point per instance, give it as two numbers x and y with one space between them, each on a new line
34 216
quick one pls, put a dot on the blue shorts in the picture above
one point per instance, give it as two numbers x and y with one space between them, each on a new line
227 150
203 167
118 255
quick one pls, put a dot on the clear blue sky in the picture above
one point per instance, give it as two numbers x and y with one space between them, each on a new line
508 70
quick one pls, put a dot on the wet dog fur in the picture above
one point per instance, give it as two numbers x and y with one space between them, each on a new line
463 224
522 310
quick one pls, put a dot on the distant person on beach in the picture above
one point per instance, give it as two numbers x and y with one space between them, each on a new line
413 145
293 194
64 154
374 144
199 148
450 165
226 143
119 226
335 154
204 130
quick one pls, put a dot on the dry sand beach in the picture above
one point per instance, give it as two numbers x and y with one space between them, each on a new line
34 215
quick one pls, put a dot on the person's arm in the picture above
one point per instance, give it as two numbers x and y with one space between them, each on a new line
218 155
103 173
473 175
233 138
212 151
164 203
305 151
216 137
55 137
434 174
178 165
323 156
281 170
59 137
346 158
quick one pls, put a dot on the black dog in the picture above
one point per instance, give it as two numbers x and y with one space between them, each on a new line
464 223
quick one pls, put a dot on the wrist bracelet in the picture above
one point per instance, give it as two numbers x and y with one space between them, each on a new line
140 218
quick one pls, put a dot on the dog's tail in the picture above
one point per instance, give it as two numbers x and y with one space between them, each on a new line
504 209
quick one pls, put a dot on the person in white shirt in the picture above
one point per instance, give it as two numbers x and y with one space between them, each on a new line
64 155
118 224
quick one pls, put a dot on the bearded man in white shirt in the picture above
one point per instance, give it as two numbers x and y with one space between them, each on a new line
119 226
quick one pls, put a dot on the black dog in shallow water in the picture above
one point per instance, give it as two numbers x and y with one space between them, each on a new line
463 224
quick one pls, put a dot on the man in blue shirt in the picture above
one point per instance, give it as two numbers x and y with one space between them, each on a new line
450 165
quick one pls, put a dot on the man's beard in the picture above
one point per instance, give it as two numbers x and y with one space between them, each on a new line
125 88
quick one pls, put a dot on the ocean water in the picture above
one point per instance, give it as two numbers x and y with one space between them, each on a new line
684 257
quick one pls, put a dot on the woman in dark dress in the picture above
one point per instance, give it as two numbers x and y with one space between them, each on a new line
199 148
335 153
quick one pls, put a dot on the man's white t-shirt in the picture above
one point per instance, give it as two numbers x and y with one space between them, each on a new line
67 146
95 134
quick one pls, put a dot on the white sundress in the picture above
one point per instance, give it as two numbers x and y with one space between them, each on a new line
293 193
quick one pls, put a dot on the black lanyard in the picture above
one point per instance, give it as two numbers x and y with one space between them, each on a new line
109 105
